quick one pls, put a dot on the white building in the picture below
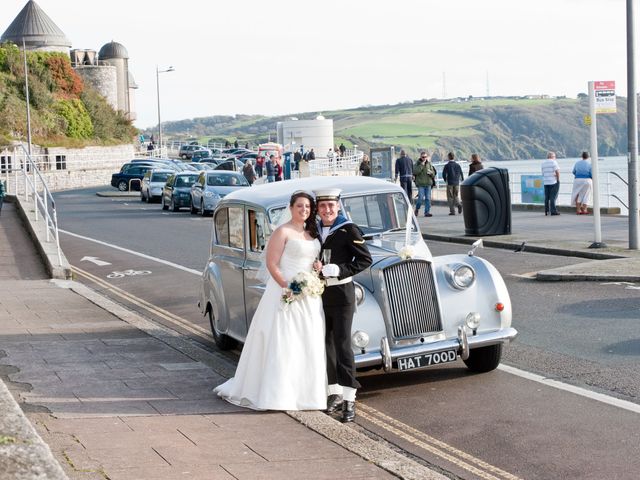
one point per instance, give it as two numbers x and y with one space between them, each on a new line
316 134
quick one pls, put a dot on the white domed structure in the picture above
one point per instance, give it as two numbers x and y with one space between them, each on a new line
115 54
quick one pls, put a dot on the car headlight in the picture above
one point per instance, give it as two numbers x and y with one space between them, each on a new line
211 195
472 321
360 339
359 293
461 276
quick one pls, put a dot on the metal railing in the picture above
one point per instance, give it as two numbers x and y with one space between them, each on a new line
36 188
347 164
611 195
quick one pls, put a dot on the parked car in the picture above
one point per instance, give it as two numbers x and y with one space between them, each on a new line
200 154
231 164
176 192
130 175
212 186
414 310
152 183
186 151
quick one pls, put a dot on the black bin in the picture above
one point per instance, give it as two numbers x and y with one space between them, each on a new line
486 202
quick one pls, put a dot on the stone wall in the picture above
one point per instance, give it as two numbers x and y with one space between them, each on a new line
65 168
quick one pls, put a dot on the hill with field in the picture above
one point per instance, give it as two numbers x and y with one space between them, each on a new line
496 128
64 111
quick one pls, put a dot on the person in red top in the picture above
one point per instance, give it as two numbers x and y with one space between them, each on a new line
278 169
259 165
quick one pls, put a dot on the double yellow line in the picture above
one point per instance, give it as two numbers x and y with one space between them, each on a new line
432 445
157 311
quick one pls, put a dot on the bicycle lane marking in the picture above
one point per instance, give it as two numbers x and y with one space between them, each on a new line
162 313
133 252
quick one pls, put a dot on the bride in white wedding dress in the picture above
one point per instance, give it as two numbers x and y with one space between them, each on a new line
283 363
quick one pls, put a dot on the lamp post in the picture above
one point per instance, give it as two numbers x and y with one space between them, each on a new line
158 72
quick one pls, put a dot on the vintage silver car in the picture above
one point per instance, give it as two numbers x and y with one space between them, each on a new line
413 309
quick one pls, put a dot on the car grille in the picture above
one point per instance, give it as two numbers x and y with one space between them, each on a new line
413 301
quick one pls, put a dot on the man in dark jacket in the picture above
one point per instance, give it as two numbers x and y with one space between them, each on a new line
404 171
271 169
452 175
348 256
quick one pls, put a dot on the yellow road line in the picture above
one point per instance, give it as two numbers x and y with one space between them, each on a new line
433 445
160 312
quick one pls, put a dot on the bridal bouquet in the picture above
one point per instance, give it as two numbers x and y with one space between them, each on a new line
304 283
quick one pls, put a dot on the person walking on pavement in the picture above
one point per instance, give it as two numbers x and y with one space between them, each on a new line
345 254
311 155
475 164
425 177
270 169
365 167
248 172
452 175
404 171
342 149
582 184
551 180
3 192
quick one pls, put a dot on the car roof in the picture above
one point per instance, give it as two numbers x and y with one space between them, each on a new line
277 194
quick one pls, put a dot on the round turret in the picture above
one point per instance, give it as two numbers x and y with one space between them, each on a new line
113 50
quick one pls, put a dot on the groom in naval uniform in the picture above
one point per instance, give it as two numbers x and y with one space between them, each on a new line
349 256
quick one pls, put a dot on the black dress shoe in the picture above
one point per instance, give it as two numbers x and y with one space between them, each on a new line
348 411
459 208
334 402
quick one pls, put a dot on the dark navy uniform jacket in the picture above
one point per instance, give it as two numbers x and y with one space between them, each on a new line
350 253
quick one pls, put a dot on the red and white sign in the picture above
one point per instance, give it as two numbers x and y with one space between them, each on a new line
605 96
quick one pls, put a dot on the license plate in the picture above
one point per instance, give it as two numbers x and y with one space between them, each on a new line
427 359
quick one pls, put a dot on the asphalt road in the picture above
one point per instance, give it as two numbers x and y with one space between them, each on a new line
495 425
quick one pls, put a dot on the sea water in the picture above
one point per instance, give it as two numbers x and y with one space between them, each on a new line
613 191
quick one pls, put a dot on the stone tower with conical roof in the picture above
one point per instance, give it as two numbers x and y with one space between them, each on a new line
108 73
37 30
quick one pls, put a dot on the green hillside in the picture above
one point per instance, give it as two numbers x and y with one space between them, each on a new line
64 111
496 128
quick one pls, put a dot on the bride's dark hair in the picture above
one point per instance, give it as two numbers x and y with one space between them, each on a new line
310 225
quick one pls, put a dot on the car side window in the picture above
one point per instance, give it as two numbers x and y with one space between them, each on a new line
236 227
222 227
258 232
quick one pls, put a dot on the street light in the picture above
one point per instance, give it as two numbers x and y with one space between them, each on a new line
158 72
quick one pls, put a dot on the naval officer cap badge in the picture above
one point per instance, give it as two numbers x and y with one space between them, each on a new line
327 194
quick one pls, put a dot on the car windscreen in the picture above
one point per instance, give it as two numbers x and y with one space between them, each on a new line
379 212
160 176
186 180
214 180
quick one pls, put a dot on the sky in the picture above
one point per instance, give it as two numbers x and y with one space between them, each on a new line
289 56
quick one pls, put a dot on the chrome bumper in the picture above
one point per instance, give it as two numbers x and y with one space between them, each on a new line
386 356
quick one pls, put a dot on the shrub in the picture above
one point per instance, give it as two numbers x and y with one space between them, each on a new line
65 78
78 122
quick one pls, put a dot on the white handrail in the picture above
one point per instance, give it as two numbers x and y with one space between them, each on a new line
41 203
347 164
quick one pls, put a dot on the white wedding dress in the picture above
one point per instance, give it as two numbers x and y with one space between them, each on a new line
283 363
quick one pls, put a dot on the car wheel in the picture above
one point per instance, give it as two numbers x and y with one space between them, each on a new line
164 205
484 359
203 212
183 156
173 206
193 209
123 186
148 198
142 199
223 342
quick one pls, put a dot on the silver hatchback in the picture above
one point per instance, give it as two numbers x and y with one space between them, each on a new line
213 186
414 310
152 184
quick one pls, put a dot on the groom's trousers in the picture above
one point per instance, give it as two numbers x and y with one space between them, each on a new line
341 367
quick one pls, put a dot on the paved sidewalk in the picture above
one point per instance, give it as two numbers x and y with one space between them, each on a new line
116 396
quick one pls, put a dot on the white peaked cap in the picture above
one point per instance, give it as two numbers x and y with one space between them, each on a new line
327 194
